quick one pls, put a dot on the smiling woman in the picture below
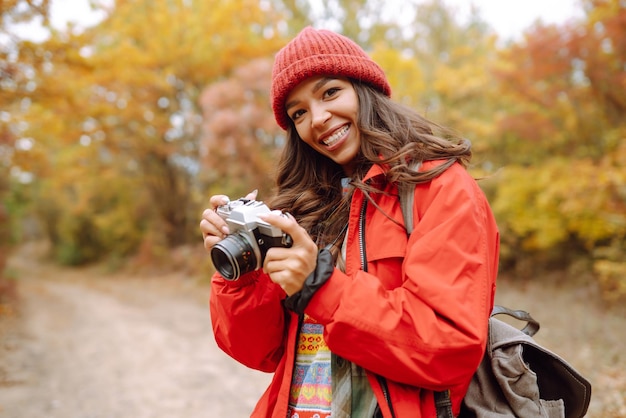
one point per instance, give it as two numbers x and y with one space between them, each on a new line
355 318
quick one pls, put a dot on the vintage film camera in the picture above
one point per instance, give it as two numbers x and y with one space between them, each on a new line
245 248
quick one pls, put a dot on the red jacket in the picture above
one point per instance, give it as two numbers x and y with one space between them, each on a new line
418 317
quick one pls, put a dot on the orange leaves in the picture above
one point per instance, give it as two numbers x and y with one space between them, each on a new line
171 98
558 133
114 118
238 144
572 78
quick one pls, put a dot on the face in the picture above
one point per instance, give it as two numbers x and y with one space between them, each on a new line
324 111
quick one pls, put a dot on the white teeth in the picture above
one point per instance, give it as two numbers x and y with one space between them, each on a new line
336 136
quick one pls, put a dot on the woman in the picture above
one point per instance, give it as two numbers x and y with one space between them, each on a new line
357 318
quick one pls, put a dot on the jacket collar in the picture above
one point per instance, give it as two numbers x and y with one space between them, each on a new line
375 170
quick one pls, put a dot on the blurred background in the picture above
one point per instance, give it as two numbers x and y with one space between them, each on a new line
118 119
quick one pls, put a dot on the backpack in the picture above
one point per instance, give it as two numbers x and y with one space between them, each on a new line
517 377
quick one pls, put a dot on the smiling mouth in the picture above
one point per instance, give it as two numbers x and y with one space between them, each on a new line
334 138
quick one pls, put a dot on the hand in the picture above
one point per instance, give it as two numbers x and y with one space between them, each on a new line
212 226
289 267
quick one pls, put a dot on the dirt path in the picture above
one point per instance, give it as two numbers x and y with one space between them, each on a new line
88 347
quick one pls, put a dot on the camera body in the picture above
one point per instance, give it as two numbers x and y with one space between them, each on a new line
244 249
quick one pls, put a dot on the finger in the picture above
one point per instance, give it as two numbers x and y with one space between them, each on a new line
212 223
286 279
215 228
287 224
210 241
252 195
299 262
218 200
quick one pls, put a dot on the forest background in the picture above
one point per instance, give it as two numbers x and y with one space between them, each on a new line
113 137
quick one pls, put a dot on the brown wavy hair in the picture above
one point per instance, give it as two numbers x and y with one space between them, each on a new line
308 184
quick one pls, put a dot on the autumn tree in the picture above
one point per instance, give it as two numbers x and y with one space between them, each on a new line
15 78
240 139
104 125
561 139
455 57
114 110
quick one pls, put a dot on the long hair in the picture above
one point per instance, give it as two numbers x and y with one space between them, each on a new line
308 184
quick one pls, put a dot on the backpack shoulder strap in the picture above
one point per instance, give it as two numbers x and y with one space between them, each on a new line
531 327
406 192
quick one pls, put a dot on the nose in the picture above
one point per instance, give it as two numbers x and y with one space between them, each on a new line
319 116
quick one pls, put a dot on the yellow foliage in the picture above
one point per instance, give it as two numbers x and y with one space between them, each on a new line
403 73
114 117
547 205
110 110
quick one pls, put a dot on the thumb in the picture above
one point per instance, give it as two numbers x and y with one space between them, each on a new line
252 195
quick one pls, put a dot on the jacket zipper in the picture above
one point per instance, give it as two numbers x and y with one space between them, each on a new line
362 249
362 236
385 389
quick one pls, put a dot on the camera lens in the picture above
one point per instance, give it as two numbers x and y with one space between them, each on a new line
234 256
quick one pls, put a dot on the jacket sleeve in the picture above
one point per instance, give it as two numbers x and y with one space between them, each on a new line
430 330
249 320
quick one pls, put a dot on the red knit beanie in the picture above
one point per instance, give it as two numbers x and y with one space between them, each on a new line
320 52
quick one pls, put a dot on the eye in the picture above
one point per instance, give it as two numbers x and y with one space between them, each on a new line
331 92
295 115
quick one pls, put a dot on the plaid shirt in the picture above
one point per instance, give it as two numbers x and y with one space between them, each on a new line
352 394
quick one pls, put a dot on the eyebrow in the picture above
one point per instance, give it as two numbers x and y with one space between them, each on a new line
316 87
